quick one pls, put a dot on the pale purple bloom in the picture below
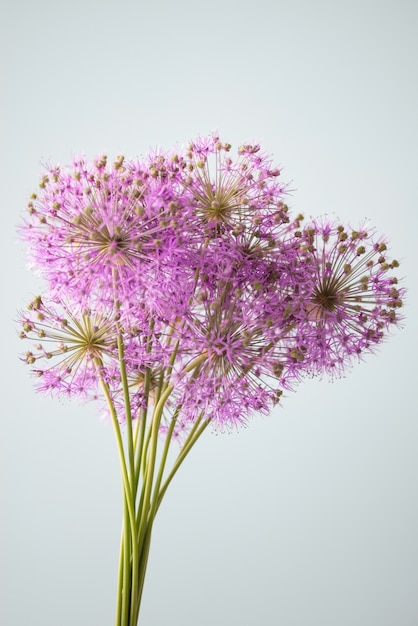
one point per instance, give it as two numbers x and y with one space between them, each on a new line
354 298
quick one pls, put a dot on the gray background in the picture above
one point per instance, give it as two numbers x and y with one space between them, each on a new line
307 517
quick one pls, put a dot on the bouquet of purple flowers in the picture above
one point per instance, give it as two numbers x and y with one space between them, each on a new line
181 292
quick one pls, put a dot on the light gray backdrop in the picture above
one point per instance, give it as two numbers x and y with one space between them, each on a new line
305 518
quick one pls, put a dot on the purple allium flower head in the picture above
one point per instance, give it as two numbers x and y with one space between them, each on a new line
100 229
354 298
227 193
66 345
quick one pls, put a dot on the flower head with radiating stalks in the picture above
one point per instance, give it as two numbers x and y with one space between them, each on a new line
67 346
101 229
354 298
226 193
241 321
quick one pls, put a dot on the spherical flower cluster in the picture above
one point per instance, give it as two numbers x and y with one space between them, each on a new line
353 299
184 279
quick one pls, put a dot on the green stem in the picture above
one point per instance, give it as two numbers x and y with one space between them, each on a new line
126 585
152 453
131 546
128 413
158 480
158 493
198 428
142 570
129 528
140 437
150 464
119 442
139 443
120 580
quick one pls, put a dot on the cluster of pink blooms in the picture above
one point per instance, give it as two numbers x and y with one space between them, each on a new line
193 259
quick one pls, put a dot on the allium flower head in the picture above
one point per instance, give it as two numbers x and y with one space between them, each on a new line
226 193
97 227
241 322
66 346
354 297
